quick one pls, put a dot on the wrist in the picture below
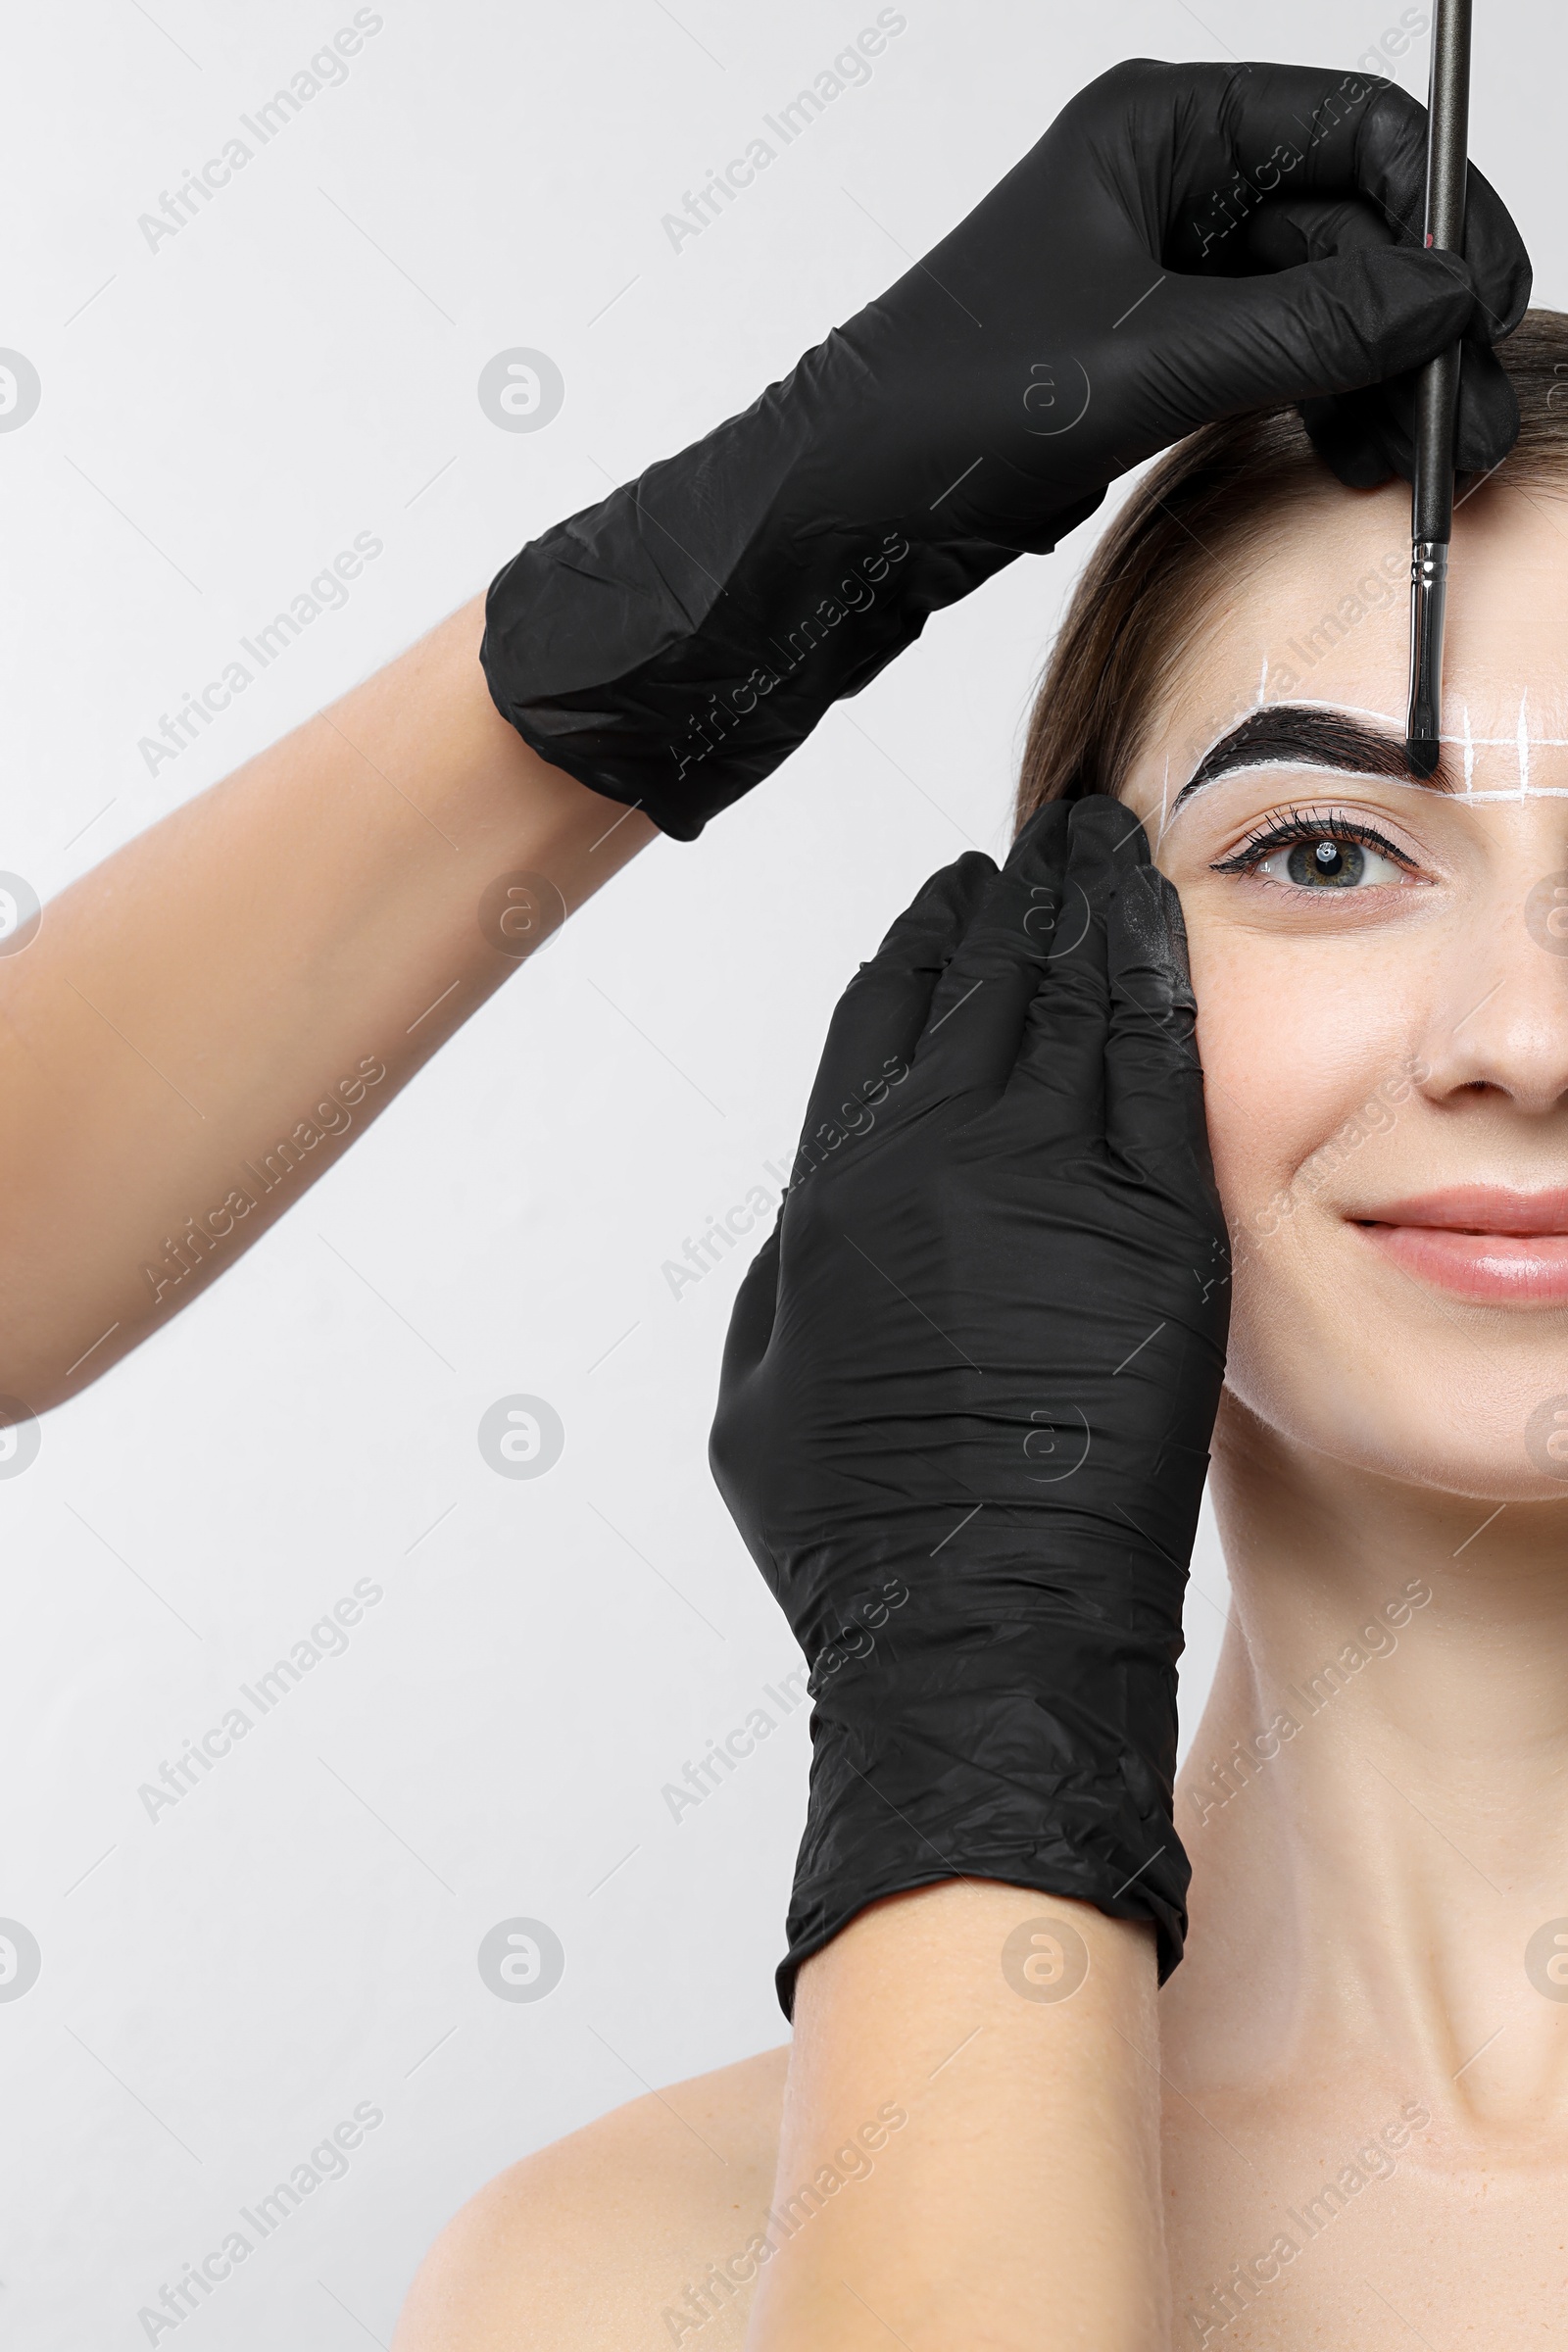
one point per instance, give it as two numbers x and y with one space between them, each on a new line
1007 2193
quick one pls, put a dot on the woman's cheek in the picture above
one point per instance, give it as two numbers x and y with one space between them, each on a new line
1284 1065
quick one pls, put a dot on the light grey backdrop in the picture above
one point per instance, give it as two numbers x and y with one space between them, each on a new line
228 1977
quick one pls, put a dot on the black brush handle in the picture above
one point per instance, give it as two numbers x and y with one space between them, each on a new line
1448 167
1437 388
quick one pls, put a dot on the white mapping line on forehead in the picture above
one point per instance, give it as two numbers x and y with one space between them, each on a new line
1524 745
1469 753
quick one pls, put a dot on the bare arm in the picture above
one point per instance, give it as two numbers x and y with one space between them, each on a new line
1017 2204
196 1030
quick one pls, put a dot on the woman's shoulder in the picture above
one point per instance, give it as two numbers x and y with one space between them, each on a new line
630 2232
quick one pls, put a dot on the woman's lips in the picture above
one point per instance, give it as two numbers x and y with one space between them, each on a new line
1483 1242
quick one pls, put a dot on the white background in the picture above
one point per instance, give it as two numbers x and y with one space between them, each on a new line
220 416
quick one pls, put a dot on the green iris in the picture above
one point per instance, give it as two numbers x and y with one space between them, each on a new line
1325 864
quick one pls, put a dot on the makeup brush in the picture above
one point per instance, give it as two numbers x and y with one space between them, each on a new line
1436 388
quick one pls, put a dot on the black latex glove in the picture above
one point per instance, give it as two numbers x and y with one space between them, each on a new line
671 644
970 1382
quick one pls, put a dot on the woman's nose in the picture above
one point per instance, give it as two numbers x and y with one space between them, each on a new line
1501 1021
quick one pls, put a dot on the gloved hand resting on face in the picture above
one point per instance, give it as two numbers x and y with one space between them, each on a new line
970 1382
1185 242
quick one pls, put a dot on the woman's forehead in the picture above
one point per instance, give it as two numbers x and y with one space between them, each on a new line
1320 617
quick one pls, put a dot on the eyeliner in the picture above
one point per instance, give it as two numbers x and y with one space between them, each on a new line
1436 388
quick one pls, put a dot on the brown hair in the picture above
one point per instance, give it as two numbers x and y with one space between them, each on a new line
1157 580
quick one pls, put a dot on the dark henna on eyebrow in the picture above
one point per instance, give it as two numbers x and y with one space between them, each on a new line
1295 733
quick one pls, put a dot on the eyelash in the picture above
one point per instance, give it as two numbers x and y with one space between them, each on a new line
1308 826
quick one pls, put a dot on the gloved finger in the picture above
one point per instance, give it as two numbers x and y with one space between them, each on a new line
1153 1080
1057 1080
1266 132
879 1019
1293 229
1368 437
979 1007
1391 172
1325 326
1041 845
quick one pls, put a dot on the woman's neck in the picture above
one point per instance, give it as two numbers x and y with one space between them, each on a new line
1376 1803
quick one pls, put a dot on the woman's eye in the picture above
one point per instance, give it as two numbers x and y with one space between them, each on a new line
1330 862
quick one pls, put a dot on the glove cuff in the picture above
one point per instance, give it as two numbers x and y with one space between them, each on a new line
1016 1790
672 644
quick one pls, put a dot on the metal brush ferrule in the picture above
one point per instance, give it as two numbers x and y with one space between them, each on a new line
1429 596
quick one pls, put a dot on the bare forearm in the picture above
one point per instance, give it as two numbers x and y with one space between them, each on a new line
224 990
1017 2204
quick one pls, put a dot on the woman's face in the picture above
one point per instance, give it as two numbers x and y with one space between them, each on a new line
1382 978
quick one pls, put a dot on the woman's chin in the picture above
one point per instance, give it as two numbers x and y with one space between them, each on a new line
1411 1421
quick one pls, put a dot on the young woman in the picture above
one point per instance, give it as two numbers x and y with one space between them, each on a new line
959 2156
1341 2119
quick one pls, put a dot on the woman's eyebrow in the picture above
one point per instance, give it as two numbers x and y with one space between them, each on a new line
1297 735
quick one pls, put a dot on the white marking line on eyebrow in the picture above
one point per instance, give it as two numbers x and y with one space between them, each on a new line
1350 776
1255 767
1536 792
1262 685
